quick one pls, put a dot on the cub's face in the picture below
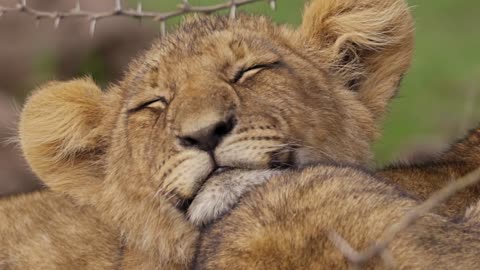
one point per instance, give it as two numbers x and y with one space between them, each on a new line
221 94
233 97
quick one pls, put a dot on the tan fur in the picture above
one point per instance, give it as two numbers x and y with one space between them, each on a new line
286 223
134 155
221 193
45 230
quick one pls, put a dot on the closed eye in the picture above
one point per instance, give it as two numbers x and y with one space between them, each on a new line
157 103
252 70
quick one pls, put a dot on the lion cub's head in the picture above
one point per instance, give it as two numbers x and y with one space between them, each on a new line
221 93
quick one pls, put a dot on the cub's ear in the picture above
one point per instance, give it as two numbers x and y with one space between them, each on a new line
368 44
63 135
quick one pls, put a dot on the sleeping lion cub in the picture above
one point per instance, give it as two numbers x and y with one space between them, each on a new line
221 101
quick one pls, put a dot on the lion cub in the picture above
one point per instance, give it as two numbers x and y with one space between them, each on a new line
124 165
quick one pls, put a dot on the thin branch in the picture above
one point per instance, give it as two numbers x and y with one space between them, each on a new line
380 248
118 10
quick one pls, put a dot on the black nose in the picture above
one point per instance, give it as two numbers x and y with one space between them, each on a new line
207 138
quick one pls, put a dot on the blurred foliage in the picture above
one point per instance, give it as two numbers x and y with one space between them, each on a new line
94 65
44 65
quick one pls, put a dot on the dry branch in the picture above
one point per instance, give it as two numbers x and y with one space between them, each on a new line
119 10
380 248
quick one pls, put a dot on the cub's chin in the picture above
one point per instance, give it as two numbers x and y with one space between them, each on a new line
222 191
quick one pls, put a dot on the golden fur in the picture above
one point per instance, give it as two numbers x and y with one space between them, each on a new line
287 223
242 94
45 230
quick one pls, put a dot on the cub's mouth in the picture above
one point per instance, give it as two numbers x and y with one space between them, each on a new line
279 161
184 203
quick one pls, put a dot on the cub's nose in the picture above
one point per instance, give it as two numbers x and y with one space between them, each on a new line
206 137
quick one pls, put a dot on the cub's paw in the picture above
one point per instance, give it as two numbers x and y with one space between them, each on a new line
222 192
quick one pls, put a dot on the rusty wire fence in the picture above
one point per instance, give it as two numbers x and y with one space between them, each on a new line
184 7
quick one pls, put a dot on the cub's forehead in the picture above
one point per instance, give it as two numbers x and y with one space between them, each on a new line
196 31
205 44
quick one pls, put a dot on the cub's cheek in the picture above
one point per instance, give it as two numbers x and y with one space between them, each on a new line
254 149
221 193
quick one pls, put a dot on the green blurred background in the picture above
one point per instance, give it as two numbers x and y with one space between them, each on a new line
437 102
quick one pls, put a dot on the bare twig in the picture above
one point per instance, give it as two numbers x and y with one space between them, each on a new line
380 248
119 10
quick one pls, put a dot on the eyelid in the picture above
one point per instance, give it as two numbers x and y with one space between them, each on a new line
148 103
238 76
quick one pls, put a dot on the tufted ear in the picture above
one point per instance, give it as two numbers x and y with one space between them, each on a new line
63 135
368 44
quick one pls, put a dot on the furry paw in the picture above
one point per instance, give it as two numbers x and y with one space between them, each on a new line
222 192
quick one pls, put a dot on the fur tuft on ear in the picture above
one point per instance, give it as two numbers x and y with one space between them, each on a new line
367 43
62 133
